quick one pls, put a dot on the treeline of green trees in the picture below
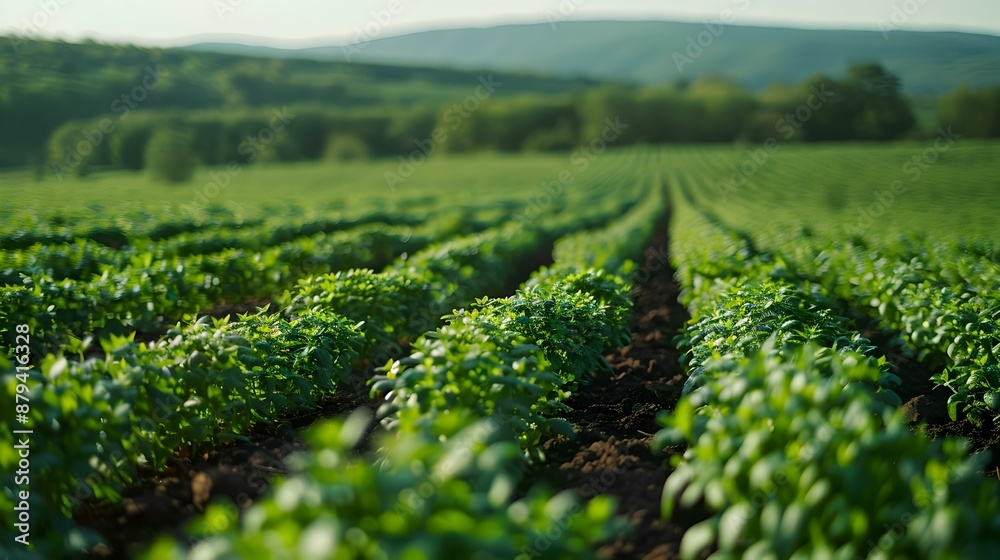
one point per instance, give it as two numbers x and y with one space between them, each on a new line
975 113
290 133
44 84
866 104
73 107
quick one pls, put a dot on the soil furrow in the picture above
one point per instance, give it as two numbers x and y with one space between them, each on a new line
614 418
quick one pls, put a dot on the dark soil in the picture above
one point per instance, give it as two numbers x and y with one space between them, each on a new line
614 418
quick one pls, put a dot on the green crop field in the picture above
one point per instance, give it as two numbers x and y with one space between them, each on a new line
943 189
254 192
718 351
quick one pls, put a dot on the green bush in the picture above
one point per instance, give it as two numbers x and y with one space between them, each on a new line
169 156
129 142
75 148
345 147
744 317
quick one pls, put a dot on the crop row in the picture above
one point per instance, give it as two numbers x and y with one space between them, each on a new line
33 246
81 259
795 446
150 293
210 380
144 223
933 295
943 302
151 289
466 411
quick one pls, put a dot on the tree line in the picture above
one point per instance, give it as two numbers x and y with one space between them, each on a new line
866 104
46 84
174 109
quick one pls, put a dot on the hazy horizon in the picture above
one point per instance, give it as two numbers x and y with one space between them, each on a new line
304 23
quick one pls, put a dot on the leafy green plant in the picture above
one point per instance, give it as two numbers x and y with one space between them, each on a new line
418 498
518 357
744 317
939 301
790 454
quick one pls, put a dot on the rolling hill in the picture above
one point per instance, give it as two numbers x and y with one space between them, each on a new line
651 52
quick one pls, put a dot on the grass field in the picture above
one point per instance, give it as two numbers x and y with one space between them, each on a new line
654 352
311 189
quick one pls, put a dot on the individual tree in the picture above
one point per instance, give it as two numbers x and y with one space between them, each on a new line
867 104
345 147
169 156
973 113
128 143
74 149
883 113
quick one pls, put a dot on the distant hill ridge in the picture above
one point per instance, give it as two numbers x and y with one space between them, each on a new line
656 52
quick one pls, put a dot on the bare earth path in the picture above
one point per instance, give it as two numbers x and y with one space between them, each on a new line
614 417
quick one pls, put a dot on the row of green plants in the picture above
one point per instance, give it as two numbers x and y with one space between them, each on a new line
409 306
83 258
143 224
147 290
930 296
796 446
465 413
150 293
935 301
209 381
415 498
942 301
516 358
793 456
738 299
97 422
519 357
410 296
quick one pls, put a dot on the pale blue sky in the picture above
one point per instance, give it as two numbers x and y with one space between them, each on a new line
325 21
